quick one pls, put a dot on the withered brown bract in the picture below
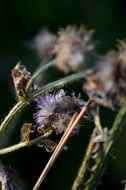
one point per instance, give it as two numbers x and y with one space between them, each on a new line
20 78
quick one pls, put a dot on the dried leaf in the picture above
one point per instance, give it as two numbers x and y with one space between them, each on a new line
48 144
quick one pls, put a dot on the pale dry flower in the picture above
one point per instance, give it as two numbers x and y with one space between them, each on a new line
109 80
74 48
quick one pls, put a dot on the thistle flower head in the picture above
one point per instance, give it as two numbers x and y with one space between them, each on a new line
56 111
74 48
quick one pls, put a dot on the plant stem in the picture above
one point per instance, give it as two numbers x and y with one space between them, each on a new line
18 107
83 168
43 67
24 144
101 161
97 121
60 83
61 144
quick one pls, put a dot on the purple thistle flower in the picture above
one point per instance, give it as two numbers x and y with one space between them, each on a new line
56 110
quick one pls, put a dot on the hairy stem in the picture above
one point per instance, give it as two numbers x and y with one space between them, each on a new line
101 160
61 144
60 83
43 67
84 165
18 107
24 144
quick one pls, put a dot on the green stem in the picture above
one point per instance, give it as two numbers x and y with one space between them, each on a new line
97 121
83 168
60 83
24 144
43 67
18 107
101 160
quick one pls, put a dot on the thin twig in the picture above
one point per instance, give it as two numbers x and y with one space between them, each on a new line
60 145
103 103
52 159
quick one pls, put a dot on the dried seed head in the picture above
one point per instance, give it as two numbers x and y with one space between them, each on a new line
122 51
107 73
122 67
113 73
109 81
100 85
43 43
56 111
74 48
20 78
26 130
93 86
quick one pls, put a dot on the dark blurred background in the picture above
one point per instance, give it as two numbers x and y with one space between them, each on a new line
19 23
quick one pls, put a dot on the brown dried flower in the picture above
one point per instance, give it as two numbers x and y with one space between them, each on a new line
93 85
74 48
20 78
26 131
109 81
113 74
